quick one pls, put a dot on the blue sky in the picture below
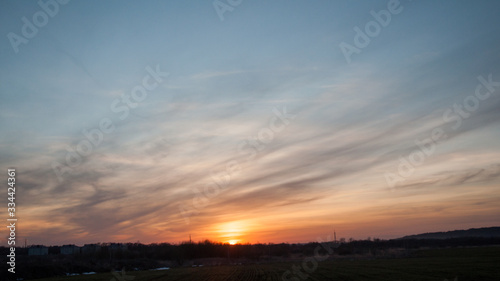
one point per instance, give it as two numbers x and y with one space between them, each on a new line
327 166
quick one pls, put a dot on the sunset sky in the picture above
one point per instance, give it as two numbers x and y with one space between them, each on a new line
263 130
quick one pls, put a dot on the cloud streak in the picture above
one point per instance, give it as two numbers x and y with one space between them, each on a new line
326 167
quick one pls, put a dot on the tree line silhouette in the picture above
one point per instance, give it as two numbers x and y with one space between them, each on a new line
137 256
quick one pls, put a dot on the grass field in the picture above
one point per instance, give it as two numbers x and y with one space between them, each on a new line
437 264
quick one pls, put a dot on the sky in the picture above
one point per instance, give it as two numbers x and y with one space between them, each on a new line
249 121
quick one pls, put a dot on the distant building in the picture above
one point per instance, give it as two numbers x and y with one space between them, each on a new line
90 248
118 246
70 250
38 250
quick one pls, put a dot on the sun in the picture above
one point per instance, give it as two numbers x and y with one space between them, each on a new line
231 232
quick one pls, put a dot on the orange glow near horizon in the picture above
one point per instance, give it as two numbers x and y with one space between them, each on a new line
299 223
231 232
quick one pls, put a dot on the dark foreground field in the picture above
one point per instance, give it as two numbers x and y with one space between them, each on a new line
462 264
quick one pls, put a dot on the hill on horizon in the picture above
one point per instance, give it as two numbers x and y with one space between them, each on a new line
484 232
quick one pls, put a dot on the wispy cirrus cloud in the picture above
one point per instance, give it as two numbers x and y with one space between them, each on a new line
353 122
